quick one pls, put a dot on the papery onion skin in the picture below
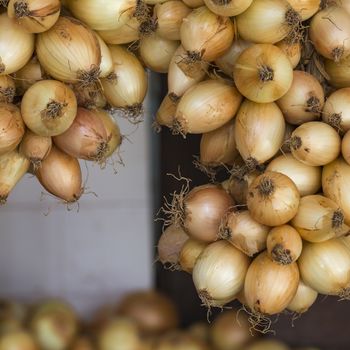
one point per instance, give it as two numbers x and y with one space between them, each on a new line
60 174
19 339
306 8
269 287
106 66
48 108
11 127
16 46
263 73
228 8
7 89
338 73
90 97
293 51
303 299
206 107
166 112
273 199
325 266
189 254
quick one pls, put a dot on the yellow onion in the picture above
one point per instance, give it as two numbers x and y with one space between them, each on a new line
170 244
259 132
228 8
307 178
306 8
325 267
48 107
338 73
28 76
303 299
205 35
269 287
54 325
273 199
60 174
219 273
268 344
70 41
315 143
284 244
329 32
153 312
11 127
127 33
16 45
106 66
86 138
194 3
108 15
304 100
292 50
227 61
35 16
35 148
166 111
126 86
335 184
19 339
263 73
219 146
246 234
178 340
345 147
190 251
157 52
7 89
178 81
206 106
169 17
335 110
230 331
13 166
268 21
90 97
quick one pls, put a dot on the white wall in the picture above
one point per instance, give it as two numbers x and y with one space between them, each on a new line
88 257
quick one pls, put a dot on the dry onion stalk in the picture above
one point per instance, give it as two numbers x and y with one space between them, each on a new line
90 97
7 89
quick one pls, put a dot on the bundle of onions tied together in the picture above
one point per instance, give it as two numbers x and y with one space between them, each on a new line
271 100
62 80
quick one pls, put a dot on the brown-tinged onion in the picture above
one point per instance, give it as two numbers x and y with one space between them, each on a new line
306 8
273 199
292 50
19 339
60 174
190 251
228 8
49 107
303 299
7 89
166 112
338 73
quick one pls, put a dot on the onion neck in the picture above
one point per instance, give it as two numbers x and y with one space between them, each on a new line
7 94
295 143
266 187
53 110
335 121
337 53
281 255
337 219
313 105
294 23
87 78
266 73
148 27
2 67
142 11
21 9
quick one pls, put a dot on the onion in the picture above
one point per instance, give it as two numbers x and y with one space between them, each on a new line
178 81
329 32
169 17
205 35
126 86
13 166
315 143
286 140
157 52
345 147
336 110
170 244
268 344
17 340
60 174
269 21
11 127
106 66
90 97
325 267
292 51
200 331
180 341
306 178
303 299
49 108
263 73
259 132
82 343
338 73
335 185
194 3
219 146
154 313
16 45
304 100
108 15
230 331
246 234
35 16
35 148
54 325
70 41
284 245
7 89
166 112
228 8
119 334
190 251
219 273
269 287
227 61
273 199
206 107
306 8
